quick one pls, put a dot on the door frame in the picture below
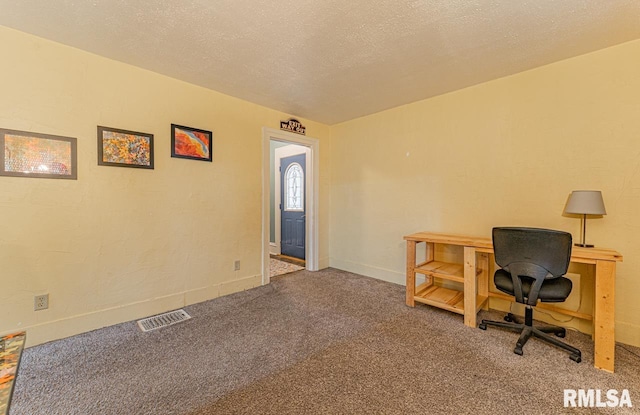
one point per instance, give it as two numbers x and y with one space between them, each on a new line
281 152
312 224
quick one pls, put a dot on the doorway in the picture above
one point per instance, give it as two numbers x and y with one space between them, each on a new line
303 174
288 208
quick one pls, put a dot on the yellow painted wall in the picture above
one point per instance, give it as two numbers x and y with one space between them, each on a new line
506 152
119 244
122 243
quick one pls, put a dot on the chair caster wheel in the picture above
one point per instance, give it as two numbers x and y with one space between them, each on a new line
518 351
508 318
482 326
561 334
576 358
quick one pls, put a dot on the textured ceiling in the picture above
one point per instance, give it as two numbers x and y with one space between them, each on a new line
331 60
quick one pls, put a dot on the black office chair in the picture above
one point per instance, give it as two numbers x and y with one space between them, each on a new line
533 262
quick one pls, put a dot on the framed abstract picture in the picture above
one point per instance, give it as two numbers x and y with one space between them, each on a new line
191 143
25 154
124 148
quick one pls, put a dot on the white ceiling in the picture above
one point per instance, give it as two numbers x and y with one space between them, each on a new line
331 60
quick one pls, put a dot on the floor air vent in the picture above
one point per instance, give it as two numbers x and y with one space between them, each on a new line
163 320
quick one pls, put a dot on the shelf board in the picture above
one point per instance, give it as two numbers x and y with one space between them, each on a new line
445 270
440 297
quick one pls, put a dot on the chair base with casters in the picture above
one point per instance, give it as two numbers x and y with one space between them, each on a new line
527 330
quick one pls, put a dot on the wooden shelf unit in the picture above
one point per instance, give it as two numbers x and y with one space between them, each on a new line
468 277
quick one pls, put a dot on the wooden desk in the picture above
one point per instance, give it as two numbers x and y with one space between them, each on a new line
10 353
473 274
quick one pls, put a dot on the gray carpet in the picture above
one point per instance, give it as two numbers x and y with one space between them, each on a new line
329 342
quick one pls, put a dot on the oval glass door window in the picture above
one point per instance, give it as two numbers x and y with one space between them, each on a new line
294 188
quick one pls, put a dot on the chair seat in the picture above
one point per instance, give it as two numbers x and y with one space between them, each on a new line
553 290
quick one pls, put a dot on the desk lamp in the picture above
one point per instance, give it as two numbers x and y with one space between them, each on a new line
585 202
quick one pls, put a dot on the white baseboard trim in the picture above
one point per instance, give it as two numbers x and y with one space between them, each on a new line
369 271
324 262
71 326
274 249
241 284
628 333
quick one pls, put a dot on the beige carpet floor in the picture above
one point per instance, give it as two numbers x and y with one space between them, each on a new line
327 342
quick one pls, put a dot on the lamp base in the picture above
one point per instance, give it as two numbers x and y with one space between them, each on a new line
584 245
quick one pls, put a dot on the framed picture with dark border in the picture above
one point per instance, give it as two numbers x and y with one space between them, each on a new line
191 143
25 154
124 148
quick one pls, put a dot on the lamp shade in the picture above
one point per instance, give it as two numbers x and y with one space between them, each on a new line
585 202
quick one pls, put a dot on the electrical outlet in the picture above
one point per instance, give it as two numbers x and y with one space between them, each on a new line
236 266
41 302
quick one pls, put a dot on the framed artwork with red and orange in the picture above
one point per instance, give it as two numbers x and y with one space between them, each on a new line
191 143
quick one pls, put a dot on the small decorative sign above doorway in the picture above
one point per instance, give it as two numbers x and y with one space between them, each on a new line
293 125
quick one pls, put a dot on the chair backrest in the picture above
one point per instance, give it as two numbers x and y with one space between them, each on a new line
532 252
547 248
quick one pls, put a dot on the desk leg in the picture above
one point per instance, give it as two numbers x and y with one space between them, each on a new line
483 279
604 316
470 286
411 274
